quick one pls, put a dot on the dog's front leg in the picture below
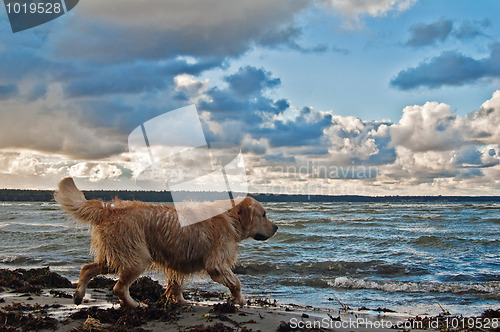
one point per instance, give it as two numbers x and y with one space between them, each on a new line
231 281
87 272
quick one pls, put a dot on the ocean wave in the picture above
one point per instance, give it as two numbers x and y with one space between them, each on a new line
492 287
434 241
328 269
19 260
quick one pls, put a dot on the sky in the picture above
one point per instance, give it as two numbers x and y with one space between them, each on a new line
380 97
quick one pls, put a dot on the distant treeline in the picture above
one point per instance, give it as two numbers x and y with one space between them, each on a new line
22 195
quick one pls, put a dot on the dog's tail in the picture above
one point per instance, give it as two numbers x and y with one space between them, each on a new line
74 202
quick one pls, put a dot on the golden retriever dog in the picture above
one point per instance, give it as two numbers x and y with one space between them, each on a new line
130 237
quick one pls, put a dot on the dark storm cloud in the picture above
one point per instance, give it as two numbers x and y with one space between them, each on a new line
244 97
162 29
301 131
449 68
244 101
137 77
250 80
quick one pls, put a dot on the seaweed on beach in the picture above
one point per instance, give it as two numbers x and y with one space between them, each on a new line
264 302
198 295
217 327
143 289
18 306
448 322
32 280
490 313
147 289
223 308
60 294
101 282
13 317
126 319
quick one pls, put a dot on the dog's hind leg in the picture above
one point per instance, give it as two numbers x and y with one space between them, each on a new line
87 272
122 286
231 281
174 287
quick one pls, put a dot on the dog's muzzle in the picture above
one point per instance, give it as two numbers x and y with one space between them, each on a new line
262 237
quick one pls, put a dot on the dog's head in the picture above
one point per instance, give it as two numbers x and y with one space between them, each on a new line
254 221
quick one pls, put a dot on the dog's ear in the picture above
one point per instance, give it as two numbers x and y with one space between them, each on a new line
245 213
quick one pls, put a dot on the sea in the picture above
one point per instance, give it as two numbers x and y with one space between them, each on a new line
413 258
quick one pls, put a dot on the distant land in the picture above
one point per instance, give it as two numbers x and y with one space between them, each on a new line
22 195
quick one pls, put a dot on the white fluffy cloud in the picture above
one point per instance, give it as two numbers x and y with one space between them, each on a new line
349 138
432 126
430 150
485 123
38 170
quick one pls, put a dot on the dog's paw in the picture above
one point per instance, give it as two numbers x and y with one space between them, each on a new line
181 302
77 298
240 300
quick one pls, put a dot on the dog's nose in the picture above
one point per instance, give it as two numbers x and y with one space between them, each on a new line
276 228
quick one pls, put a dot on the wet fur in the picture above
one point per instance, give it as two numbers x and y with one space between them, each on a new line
130 237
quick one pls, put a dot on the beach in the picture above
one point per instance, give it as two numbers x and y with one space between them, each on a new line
39 299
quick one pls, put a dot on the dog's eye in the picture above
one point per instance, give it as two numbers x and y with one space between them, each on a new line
264 215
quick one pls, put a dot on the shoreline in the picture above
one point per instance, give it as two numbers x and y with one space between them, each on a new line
101 311
39 299
45 195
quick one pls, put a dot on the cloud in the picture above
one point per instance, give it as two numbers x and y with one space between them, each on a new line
249 81
423 34
244 99
431 127
449 69
62 130
140 76
165 29
7 91
352 140
471 29
304 130
32 169
468 156
375 8
485 123
95 172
